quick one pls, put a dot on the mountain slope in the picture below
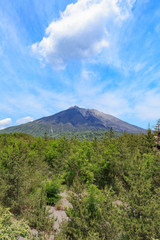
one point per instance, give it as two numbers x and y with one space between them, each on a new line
72 120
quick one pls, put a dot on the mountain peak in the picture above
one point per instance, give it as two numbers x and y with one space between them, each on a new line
75 106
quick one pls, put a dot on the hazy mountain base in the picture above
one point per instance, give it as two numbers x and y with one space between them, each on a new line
85 134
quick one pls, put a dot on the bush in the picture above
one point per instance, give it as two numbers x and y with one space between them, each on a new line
52 190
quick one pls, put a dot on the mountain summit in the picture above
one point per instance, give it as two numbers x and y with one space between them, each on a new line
74 119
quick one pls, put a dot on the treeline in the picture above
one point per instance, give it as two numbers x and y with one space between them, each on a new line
114 184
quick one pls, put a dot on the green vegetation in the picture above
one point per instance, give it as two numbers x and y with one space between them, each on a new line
113 185
10 229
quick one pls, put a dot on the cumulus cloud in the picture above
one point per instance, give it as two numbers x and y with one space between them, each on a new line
5 123
83 30
24 120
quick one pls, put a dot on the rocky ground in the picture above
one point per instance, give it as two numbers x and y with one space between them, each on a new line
59 214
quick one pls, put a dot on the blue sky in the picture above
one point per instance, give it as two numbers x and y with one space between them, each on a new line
101 54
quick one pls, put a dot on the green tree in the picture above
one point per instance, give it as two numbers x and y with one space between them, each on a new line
148 142
157 127
111 133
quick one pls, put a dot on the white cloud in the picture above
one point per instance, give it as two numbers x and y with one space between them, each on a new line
83 30
5 123
24 120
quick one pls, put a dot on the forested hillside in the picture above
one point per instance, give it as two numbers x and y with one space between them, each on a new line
113 184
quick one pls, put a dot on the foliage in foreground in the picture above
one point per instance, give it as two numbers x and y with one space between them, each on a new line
114 184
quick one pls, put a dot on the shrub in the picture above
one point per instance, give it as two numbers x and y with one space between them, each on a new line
52 190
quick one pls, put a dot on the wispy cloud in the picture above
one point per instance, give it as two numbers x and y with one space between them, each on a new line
83 30
5 123
24 120
149 105
94 93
